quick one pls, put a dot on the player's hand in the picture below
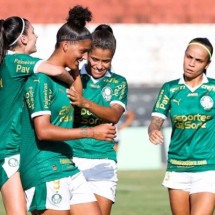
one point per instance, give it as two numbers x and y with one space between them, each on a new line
104 132
156 137
76 98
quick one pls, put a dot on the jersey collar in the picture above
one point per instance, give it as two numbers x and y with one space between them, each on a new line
9 52
204 80
84 72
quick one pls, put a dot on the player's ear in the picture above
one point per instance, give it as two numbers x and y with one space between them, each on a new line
23 40
65 46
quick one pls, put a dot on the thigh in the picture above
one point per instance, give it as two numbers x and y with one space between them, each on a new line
105 189
91 208
50 212
104 204
179 202
13 196
202 203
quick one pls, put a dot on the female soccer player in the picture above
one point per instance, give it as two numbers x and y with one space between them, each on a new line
58 188
17 41
190 176
104 100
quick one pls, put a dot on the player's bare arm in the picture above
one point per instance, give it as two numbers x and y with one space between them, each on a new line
111 114
154 130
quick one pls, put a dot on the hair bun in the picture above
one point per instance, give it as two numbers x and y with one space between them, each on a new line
78 16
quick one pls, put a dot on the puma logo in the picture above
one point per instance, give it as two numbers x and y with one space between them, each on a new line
177 101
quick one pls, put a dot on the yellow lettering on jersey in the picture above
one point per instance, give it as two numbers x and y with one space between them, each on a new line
164 102
92 121
84 111
66 119
1 83
22 69
66 114
188 162
209 88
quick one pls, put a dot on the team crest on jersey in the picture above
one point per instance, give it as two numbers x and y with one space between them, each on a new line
206 102
107 93
56 198
13 162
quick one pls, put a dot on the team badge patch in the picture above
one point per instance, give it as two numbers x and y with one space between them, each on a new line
13 162
107 93
56 198
206 102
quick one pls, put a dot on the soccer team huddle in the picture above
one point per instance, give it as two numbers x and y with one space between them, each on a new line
58 122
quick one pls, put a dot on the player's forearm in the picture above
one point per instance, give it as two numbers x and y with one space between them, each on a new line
56 71
55 133
156 124
108 114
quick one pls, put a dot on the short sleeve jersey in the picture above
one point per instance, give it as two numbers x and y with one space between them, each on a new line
192 113
14 71
110 89
43 161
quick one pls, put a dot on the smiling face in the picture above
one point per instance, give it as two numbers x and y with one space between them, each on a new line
99 61
196 60
76 52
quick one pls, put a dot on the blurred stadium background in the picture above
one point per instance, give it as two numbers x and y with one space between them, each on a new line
151 39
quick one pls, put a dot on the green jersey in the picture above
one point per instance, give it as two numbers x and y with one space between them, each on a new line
14 71
110 89
43 161
192 113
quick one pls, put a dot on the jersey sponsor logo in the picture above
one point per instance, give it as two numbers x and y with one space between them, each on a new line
177 101
22 69
66 114
95 86
56 198
163 101
209 88
120 90
29 97
190 121
111 80
13 162
37 80
206 102
174 89
107 93
192 94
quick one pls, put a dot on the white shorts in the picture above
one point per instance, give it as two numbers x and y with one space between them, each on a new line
8 167
59 194
192 182
101 174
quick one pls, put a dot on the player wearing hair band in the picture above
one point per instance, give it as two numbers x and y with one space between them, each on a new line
17 41
52 183
190 101
104 100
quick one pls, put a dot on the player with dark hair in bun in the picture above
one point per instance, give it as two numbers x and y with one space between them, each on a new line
17 42
52 183
104 100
